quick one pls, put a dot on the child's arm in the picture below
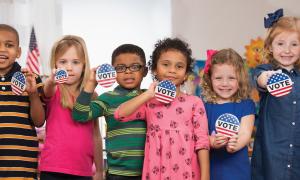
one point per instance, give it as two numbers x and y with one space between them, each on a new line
129 107
98 154
239 141
84 108
50 85
200 126
37 111
203 158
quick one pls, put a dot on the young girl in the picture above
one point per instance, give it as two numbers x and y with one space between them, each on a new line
226 91
276 153
70 147
177 136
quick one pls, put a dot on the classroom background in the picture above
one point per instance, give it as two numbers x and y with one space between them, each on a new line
106 24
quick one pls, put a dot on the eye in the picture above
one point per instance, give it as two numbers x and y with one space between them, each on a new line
280 44
295 44
76 61
120 68
62 61
135 67
9 45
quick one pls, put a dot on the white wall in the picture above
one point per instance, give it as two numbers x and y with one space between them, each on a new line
216 24
104 25
44 15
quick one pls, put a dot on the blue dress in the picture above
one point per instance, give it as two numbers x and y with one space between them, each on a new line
224 165
276 153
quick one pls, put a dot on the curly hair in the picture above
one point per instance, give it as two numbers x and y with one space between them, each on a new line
230 57
171 44
284 24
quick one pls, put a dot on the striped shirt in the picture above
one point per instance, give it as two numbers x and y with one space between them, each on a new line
18 140
124 141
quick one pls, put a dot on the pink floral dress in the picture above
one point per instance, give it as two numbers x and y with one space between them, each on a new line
175 132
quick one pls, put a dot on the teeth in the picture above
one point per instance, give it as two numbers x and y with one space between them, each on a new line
3 57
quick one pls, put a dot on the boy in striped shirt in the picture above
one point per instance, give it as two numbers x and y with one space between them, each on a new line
19 114
125 141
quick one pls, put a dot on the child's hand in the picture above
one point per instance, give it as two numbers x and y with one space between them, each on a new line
264 76
218 140
31 87
151 91
91 83
232 144
51 78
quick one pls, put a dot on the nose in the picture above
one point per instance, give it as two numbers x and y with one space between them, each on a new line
287 49
172 69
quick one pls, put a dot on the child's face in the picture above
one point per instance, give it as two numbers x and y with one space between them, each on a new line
71 62
224 82
130 70
9 50
286 49
172 66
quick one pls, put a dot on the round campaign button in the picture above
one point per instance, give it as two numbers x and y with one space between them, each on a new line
279 84
106 75
227 124
61 76
18 83
165 91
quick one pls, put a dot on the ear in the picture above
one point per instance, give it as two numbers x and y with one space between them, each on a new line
145 72
19 52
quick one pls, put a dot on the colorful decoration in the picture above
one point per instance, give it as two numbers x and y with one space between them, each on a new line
61 76
18 83
279 84
227 124
106 75
254 52
165 91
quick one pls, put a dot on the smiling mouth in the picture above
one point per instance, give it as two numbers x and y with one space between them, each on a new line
3 57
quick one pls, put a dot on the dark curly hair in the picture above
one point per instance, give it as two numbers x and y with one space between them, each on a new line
171 44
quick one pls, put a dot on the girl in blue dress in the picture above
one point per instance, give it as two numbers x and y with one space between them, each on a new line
226 94
276 153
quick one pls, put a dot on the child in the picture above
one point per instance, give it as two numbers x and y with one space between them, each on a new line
177 136
276 153
70 147
125 141
226 91
18 114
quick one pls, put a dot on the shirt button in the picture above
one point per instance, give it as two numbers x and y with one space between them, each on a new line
3 88
288 165
294 102
291 145
2 79
293 123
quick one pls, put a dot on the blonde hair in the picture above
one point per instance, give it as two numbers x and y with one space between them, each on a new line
58 49
230 57
284 24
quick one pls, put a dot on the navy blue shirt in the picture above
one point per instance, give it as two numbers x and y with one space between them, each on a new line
224 165
276 153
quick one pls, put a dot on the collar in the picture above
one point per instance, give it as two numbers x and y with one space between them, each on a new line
16 67
122 91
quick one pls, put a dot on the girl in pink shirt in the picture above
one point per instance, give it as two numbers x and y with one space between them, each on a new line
70 147
177 134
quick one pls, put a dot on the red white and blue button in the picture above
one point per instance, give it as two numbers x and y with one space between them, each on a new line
165 91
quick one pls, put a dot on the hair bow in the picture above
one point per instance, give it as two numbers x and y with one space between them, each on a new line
209 54
272 18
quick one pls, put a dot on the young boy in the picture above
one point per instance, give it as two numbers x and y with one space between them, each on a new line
18 114
125 141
